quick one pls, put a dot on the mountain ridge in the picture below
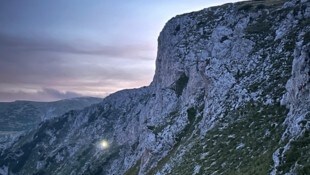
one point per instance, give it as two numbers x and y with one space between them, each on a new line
21 116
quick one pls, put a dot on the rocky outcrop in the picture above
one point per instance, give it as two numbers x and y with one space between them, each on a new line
230 95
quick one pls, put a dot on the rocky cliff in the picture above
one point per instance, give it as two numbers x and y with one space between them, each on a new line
230 95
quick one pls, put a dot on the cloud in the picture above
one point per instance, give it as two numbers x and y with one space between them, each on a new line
50 71
25 45
57 94
67 70
45 94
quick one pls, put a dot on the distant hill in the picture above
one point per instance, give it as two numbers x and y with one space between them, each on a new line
19 116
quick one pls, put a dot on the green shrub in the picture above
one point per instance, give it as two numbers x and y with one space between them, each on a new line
134 170
177 29
307 37
180 84
191 114
260 27
260 6
246 7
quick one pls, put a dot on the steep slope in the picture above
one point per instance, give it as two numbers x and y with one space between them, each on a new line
230 95
20 116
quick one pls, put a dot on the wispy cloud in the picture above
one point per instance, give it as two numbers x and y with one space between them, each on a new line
23 44
40 95
31 64
57 94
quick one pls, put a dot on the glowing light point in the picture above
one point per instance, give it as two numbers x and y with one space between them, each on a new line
104 144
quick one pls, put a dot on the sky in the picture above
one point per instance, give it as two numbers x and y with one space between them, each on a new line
57 49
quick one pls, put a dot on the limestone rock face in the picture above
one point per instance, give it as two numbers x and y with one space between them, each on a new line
230 95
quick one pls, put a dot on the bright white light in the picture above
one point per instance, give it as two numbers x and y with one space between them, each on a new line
104 144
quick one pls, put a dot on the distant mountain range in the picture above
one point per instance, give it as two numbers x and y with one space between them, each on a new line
19 116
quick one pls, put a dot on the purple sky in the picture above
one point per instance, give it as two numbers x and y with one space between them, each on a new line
56 49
